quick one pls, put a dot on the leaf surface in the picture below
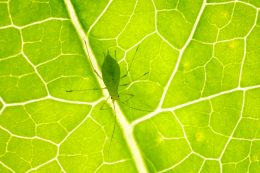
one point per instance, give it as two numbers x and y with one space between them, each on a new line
200 97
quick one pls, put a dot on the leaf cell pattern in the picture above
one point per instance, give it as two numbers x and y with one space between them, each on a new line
203 87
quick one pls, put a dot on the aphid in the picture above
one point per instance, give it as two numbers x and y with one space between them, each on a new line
111 77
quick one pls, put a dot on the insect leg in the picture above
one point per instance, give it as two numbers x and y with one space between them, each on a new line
103 104
90 61
134 107
131 96
113 128
135 79
69 91
97 73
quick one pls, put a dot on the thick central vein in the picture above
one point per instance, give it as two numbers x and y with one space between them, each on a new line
125 125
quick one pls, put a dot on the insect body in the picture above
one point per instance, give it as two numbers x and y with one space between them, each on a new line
111 76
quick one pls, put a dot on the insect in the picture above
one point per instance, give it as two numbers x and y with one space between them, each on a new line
111 77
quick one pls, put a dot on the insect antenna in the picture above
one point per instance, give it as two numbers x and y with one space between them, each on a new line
130 66
132 60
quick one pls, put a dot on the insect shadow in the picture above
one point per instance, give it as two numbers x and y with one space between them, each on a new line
111 76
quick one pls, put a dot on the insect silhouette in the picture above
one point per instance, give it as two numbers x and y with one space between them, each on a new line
111 76
110 70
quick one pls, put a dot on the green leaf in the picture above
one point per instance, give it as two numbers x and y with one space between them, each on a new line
197 109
